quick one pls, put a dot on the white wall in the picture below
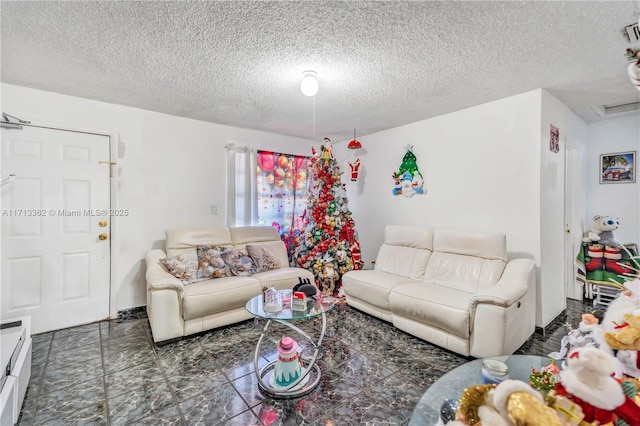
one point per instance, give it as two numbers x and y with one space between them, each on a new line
553 261
170 170
487 168
620 200
481 167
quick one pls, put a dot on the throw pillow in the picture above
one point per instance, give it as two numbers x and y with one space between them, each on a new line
210 262
184 267
239 262
264 256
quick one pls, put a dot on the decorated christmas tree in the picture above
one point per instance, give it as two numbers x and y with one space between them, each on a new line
408 179
330 246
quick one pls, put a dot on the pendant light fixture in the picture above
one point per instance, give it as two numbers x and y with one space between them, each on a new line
309 83
354 144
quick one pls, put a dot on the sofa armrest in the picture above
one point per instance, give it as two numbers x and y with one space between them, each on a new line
157 276
512 286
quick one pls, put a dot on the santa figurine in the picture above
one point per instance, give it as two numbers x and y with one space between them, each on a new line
588 382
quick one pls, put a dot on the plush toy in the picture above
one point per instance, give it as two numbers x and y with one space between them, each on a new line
588 382
627 335
585 334
602 231
627 301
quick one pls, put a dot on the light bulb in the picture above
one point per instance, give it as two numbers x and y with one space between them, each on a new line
309 83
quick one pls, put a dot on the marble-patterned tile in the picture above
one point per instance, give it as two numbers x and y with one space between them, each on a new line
128 358
68 359
246 418
139 403
213 407
124 380
247 387
362 370
42 337
86 416
116 329
67 342
189 383
76 330
189 358
67 375
82 401
366 409
134 342
40 349
167 417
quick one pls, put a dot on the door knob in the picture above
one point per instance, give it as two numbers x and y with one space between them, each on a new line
102 224
102 237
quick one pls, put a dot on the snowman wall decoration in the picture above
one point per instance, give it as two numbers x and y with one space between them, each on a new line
408 179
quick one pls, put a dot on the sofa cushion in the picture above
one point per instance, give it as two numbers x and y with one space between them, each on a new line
467 261
267 235
372 287
180 240
217 296
466 273
264 257
405 251
239 262
210 262
184 266
283 278
438 306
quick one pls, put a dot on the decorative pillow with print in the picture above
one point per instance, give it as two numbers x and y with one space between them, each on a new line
210 262
264 256
239 262
184 267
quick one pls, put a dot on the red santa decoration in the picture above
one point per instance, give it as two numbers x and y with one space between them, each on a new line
588 382
354 169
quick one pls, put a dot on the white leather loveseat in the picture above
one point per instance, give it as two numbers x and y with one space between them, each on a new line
176 309
455 289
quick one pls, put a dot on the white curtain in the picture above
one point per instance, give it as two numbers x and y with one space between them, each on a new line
241 186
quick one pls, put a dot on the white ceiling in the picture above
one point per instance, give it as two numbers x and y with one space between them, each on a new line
380 64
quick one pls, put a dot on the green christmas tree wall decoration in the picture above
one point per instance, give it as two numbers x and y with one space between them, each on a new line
408 179
330 245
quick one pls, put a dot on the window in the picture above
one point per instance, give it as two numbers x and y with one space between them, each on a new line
274 196
281 187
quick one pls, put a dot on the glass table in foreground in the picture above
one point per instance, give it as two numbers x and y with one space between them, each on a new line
451 385
309 378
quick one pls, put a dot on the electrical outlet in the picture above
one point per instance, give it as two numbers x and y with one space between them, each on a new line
214 209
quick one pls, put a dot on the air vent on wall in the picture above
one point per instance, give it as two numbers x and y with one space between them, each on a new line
633 33
609 110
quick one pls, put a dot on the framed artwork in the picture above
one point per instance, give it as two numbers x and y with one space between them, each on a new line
618 167
554 139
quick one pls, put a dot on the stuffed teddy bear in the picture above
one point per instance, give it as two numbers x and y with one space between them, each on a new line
628 335
602 231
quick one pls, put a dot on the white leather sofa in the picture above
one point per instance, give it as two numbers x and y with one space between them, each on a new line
455 289
175 309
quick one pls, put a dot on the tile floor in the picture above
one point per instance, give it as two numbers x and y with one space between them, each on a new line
111 373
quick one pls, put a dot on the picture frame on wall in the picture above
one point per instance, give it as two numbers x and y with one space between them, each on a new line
618 167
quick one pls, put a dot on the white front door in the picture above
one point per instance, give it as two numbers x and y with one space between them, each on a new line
55 266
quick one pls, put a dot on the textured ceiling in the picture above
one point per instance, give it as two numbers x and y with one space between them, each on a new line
380 64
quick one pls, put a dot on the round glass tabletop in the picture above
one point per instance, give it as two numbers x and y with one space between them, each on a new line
451 385
316 305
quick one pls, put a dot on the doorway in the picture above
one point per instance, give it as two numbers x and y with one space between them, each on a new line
55 227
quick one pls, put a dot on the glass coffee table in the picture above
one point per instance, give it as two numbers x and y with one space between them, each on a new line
451 385
310 377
